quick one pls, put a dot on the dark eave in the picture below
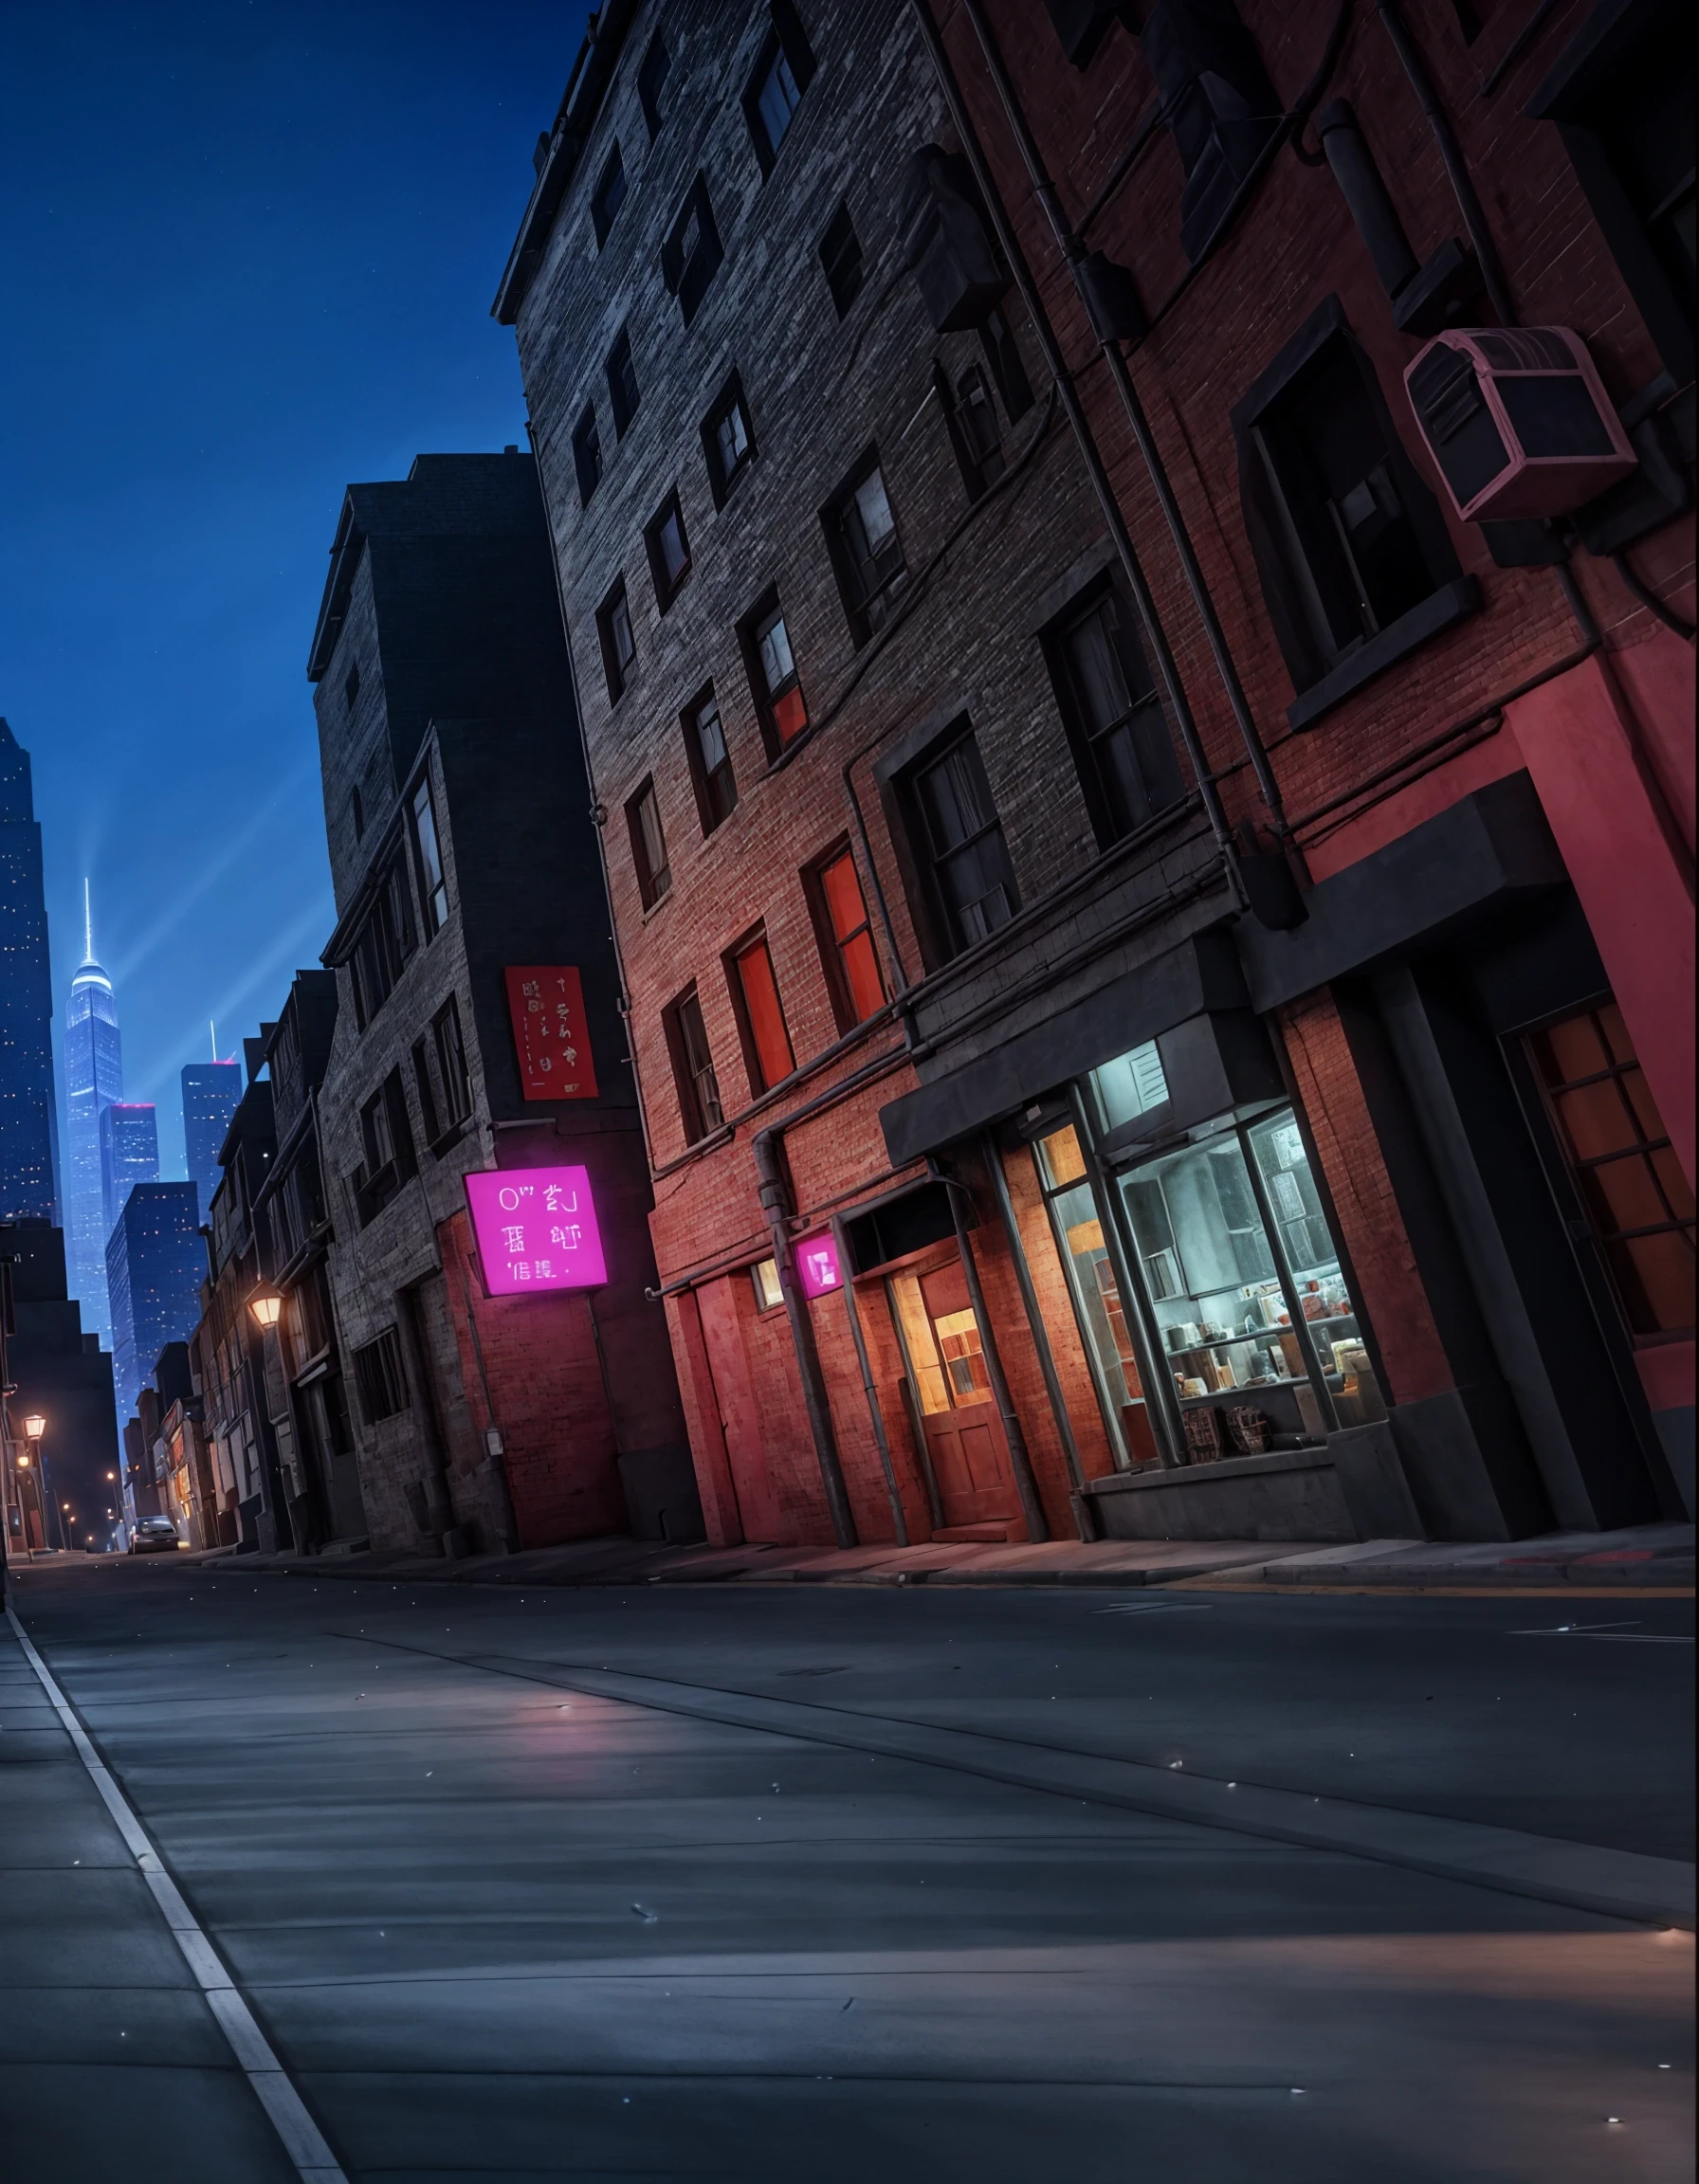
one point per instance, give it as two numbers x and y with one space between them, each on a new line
344 561
586 89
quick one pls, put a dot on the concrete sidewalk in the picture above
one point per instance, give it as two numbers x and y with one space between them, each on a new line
1657 1557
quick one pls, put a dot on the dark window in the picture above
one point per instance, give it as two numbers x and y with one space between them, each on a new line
669 550
691 254
1625 1170
960 840
1623 96
728 439
760 1016
1114 718
622 383
433 888
444 1080
710 763
775 85
350 686
773 678
384 943
692 1066
382 1383
649 845
972 418
840 254
610 195
866 553
587 454
385 1149
650 78
357 811
1003 353
619 647
848 953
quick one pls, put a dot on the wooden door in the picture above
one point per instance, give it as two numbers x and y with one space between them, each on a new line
964 1436
722 1307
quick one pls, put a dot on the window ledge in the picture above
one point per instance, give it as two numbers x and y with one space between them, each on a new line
1441 610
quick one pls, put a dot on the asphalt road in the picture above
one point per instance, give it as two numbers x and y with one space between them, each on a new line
788 1883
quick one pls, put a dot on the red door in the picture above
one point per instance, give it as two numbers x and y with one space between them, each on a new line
964 1436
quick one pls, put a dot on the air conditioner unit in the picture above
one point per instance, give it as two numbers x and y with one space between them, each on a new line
1516 421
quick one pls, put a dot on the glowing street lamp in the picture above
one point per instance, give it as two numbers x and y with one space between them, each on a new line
35 1426
266 1304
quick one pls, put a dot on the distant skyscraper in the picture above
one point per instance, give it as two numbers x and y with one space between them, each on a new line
129 1152
94 1078
210 1091
155 1265
28 1121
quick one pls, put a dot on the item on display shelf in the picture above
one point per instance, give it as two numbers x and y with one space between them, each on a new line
1315 1304
1190 1386
1203 1436
1248 1430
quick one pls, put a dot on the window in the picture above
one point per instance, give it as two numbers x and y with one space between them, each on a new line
761 1019
649 847
386 1147
382 1382
691 254
1003 353
1356 564
619 647
384 943
433 888
668 551
1111 1347
840 254
650 78
357 813
848 955
1625 1172
622 383
728 439
972 419
710 765
1113 716
350 686
772 668
763 1277
692 1066
961 841
587 454
610 195
1131 1085
865 551
774 89
444 1080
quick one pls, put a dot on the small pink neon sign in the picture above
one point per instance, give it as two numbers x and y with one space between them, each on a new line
535 1229
817 1266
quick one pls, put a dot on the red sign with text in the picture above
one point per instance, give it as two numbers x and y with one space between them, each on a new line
548 1033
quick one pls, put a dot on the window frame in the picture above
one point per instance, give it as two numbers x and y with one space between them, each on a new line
690 279
1007 367
692 1058
867 608
588 466
380 1374
651 78
786 43
385 941
948 911
1144 723
444 1078
387 1157
852 262
730 401
759 1066
667 587
834 946
654 882
617 671
428 857
613 182
716 787
753 628
624 394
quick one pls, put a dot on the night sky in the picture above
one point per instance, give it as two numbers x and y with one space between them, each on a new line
248 254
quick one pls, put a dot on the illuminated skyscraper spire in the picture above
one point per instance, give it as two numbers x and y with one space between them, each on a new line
94 1076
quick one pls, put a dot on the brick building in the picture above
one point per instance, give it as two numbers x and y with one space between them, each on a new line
1127 901
502 1395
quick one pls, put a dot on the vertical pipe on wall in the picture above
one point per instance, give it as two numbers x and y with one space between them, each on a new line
1084 1521
899 1517
1020 1460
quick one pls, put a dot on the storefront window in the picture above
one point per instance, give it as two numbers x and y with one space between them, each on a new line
1129 1086
1245 1285
1097 1300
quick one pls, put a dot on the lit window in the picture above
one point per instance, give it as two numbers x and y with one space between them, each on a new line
773 675
1130 1085
760 1017
846 937
764 1276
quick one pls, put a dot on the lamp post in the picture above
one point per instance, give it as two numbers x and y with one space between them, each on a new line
35 1428
266 1304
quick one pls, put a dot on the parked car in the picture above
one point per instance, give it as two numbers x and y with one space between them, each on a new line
152 1534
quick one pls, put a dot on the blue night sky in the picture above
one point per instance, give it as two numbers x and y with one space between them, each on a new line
247 255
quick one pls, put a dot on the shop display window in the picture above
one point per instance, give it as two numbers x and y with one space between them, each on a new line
1245 1285
1097 1305
1129 1086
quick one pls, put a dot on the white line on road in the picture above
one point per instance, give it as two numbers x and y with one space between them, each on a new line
303 2140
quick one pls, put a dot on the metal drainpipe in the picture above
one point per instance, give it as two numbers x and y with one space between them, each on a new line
1084 1517
776 1205
1020 1460
1168 673
1074 250
899 1517
497 1466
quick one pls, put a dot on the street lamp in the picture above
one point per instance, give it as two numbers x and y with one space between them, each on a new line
35 1426
266 1304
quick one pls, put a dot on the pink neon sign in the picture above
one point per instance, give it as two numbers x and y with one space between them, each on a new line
535 1229
817 1266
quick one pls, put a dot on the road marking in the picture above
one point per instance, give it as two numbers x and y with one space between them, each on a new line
1621 1634
303 2140
1156 1607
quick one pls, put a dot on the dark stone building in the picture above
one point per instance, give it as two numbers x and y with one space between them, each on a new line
462 854
29 1114
60 1371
